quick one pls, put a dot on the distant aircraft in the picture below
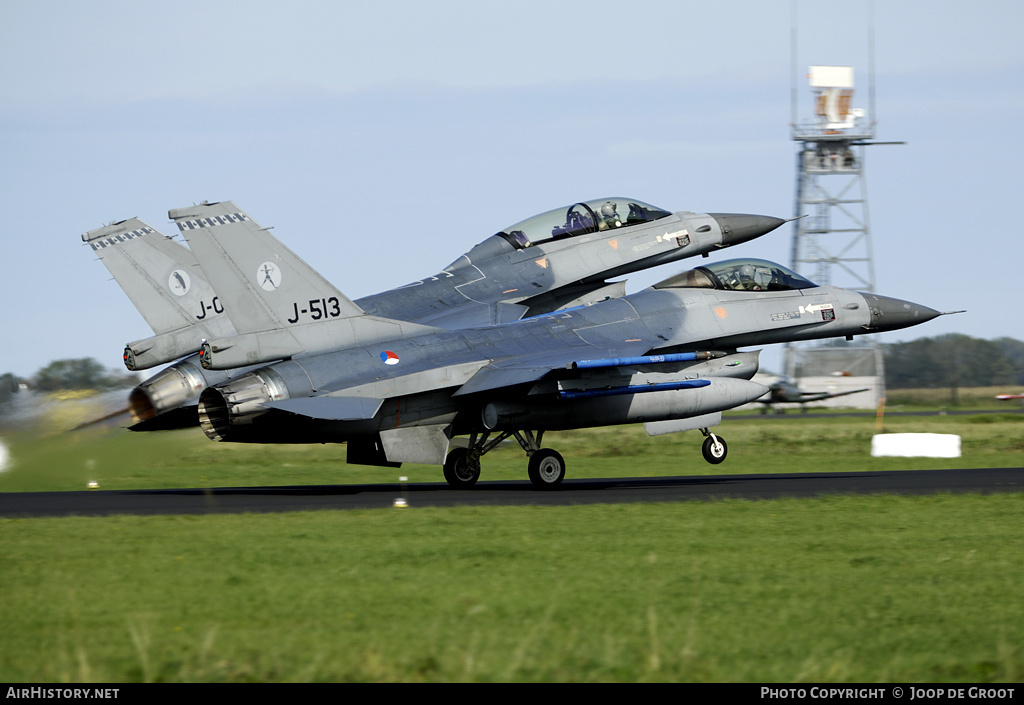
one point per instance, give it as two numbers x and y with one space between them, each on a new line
551 261
1008 397
399 391
784 391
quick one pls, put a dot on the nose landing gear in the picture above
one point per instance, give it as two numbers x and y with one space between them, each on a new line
714 448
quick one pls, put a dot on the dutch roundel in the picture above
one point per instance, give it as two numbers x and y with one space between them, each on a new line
389 358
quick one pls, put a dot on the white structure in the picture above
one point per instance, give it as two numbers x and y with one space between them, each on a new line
915 445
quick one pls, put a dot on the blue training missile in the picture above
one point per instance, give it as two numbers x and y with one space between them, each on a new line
642 360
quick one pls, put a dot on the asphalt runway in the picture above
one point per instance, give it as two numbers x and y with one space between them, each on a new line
437 494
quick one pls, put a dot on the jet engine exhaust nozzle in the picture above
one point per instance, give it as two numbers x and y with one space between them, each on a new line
238 403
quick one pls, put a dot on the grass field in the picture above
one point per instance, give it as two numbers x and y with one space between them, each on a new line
835 589
861 589
123 460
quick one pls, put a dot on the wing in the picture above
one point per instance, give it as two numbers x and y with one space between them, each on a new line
819 396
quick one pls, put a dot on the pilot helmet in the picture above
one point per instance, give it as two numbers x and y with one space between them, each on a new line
746 276
609 214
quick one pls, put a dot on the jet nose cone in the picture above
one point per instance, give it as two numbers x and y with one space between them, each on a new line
740 227
893 314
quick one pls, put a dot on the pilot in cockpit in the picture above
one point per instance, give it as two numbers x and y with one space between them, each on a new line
609 217
746 277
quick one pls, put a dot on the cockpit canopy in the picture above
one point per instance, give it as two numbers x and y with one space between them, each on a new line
581 218
738 275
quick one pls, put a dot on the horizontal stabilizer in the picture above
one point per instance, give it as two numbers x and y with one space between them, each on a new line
330 408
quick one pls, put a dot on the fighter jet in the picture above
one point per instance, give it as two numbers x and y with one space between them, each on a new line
396 391
555 260
562 258
784 391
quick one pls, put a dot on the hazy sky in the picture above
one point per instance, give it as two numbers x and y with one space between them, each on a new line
382 140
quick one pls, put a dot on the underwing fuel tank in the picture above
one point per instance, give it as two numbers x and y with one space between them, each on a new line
613 408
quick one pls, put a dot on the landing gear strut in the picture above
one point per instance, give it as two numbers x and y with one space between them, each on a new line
546 467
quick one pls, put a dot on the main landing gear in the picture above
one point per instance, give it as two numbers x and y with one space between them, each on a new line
546 467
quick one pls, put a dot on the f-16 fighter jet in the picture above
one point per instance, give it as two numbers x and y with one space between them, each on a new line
325 370
551 261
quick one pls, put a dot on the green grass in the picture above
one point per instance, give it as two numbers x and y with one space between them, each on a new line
861 589
119 459
833 589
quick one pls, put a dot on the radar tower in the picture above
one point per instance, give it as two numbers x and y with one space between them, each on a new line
832 235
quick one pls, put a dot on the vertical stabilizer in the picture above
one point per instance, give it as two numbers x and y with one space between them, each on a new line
265 285
166 285
280 306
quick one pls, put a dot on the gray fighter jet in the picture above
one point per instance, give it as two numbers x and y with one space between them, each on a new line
555 260
399 391
784 391
560 259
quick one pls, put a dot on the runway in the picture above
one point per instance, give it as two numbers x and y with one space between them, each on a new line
438 494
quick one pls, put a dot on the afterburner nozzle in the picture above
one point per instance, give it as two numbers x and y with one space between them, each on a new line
892 314
740 227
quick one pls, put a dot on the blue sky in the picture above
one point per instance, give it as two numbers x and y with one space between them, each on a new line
382 140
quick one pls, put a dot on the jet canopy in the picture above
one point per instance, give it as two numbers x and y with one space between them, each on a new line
738 275
581 218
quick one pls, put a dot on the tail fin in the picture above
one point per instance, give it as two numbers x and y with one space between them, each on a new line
263 283
166 285
280 306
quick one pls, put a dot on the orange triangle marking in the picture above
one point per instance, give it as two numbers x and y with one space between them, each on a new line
614 244
721 312
542 262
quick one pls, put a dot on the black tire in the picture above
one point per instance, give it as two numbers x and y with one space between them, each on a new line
547 469
460 470
713 452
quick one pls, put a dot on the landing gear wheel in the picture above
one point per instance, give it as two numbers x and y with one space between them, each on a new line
714 449
461 470
547 469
